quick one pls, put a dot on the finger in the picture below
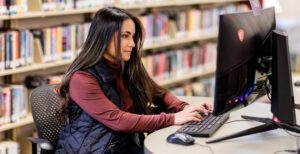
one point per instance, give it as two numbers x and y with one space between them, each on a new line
207 106
196 108
204 111
197 115
194 119
199 108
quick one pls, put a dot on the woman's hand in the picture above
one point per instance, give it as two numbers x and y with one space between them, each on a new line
203 107
191 113
185 116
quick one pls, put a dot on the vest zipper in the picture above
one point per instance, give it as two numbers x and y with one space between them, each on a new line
110 139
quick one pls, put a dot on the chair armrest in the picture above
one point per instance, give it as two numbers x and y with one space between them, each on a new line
42 143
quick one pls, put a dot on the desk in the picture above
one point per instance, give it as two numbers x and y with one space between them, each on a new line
261 143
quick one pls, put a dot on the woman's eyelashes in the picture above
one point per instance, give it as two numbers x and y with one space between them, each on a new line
126 36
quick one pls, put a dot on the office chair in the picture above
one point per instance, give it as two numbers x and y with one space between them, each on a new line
44 103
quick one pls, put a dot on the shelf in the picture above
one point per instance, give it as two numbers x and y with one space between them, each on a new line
35 67
175 3
26 121
175 41
186 77
4 17
167 43
42 14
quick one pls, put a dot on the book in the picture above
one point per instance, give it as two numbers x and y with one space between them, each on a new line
14 104
9 147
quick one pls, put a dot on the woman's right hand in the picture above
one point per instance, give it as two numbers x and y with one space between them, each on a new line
185 116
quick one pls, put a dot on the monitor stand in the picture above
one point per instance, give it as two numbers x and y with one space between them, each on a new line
269 124
297 106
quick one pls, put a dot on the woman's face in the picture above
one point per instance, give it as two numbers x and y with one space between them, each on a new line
126 45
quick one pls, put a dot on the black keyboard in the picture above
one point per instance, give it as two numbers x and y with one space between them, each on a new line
204 128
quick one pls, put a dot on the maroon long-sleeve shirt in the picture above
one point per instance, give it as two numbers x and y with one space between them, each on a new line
85 92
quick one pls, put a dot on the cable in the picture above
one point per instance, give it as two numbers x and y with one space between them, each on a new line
269 94
276 152
235 121
206 146
287 130
290 151
275 123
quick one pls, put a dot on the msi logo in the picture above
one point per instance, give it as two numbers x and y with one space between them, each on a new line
241 34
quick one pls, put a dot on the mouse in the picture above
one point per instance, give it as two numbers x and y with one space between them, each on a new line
297 83
181 138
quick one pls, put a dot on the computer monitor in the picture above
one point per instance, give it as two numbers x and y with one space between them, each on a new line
253 61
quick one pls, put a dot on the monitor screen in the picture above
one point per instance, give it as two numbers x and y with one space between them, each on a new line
243 64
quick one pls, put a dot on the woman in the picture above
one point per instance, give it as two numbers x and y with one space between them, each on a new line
110 100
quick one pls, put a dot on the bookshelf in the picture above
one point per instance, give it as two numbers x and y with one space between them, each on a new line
176 41
4 17
170 3
168 43
192 75
43 14
25 121
47 17
35 67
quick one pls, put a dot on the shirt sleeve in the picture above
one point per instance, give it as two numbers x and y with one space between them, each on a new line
172 103
86 93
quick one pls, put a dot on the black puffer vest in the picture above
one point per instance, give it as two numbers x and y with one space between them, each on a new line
83 134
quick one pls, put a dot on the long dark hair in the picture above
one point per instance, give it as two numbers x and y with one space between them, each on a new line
105 23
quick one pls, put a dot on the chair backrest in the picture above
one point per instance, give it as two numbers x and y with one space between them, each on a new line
44 103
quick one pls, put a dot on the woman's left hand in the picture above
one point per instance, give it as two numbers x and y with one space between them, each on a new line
203 107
